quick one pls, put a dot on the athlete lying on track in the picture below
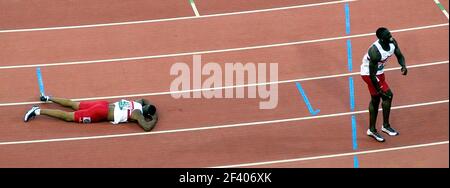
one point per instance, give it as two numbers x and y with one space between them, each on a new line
140 111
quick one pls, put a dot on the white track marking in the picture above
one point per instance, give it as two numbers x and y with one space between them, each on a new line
441 7
226 87
174 19
335 155
215 51
255 123
194 8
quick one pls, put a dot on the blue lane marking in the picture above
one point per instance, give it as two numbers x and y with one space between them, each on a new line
347 19
352 93
355 161
350 82
355 144
349 56
305 98
41 84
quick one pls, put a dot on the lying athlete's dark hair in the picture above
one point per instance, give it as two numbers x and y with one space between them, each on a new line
380 32
148 110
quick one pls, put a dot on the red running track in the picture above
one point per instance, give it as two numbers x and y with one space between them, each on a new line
238 145
47 13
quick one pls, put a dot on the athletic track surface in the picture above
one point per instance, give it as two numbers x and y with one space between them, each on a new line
124 49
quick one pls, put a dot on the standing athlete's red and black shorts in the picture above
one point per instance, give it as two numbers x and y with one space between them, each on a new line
90 112
381 80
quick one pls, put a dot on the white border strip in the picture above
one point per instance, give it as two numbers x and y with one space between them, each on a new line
334 156
194 8
225 87
216 51
442 8
173 19
215 127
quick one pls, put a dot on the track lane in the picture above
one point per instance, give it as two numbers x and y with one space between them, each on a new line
369 158
414 126
47 13
224 146
365 18
184 35
166 37
335 162
227 145
178 114
427 157
152 75
441 108
207 7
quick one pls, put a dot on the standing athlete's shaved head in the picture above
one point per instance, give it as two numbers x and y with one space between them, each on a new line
384 35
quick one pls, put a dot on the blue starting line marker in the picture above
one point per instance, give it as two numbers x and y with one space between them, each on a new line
305 98
41 84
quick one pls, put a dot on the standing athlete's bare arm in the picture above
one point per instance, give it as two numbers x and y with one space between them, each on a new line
400 58
375 57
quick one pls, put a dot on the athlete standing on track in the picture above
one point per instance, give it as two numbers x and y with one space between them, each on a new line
372 72
140 111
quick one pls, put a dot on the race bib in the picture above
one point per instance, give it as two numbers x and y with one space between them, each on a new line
123 104
381 65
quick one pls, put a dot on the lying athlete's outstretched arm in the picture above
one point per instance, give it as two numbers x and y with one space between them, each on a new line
146 125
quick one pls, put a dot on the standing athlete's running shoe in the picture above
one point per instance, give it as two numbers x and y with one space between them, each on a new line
375 135
389 130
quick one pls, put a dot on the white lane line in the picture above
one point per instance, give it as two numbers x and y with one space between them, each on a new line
216 51
441 7
174 19
334 155
226 87
255 123
194 8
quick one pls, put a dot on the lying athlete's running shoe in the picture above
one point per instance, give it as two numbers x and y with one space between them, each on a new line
389 130
44 98
375 135
31 114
